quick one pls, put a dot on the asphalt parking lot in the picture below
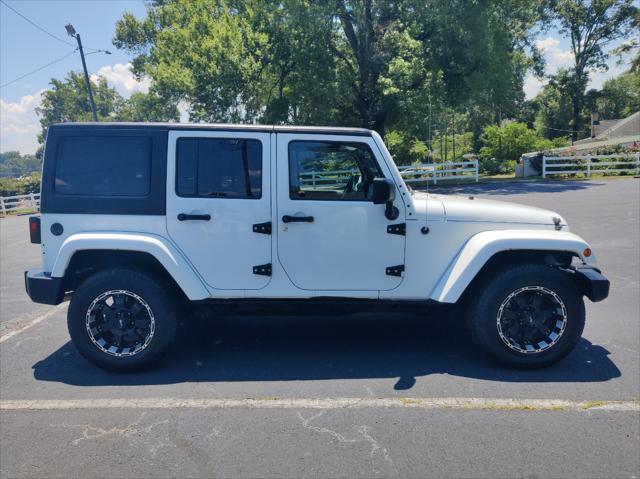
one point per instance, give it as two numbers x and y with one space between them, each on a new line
385 395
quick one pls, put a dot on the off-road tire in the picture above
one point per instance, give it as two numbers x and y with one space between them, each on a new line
487 298
155 293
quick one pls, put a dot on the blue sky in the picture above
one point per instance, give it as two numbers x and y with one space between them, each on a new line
24 48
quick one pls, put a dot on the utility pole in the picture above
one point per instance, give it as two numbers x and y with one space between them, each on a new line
72 33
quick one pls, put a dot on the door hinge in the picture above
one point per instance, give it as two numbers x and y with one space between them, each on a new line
395 270
264 228
397 229
262 269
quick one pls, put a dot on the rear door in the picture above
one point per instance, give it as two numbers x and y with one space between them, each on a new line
331 237
218 204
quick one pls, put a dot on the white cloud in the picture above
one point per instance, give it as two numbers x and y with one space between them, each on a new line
597 78
546 43
533 85
19 125
555 57
183 109
121 77
559 59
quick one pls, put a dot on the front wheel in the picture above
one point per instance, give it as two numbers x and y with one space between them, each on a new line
529 316
121 319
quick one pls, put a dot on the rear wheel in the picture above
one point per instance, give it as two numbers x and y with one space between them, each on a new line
529 316
122 320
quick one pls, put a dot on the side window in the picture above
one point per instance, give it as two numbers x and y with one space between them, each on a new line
219 168
331 170
103 166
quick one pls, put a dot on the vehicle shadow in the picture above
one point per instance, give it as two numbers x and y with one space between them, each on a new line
512 187
403 346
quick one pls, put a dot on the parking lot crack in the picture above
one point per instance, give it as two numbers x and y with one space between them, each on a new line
364 432
94 432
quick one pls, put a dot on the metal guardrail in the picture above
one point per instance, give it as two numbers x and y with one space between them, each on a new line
19 202
410 173
589 164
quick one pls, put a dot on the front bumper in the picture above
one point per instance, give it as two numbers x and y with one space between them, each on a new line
592 282
42 288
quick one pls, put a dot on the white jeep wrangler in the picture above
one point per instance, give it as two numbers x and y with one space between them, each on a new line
141 222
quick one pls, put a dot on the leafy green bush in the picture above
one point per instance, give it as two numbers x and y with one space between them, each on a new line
20 186
503 145
404 149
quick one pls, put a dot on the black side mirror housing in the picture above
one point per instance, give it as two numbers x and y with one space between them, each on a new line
384 191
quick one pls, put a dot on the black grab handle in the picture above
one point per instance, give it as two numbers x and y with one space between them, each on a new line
297 219
186 217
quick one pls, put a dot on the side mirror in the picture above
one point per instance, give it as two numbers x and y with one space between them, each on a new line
383 193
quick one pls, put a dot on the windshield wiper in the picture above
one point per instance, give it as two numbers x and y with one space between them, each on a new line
218 194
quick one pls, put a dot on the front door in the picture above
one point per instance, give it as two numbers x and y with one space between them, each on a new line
331 237
218 188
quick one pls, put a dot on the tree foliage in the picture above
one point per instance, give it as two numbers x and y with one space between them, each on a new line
505 144
67 101
13 164
438 79
591 25
379 64
619 97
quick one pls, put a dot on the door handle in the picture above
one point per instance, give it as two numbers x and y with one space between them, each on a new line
186 217
297 219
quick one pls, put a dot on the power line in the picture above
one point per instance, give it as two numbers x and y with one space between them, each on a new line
40 28
38 69
35 24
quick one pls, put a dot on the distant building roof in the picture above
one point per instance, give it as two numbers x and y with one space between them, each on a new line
610 132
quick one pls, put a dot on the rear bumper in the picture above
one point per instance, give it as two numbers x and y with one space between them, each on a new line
42 288
592 282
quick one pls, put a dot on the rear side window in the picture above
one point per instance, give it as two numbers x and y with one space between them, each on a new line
103 166
219 168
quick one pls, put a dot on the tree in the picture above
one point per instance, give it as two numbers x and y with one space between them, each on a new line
554 108
591 25
145 107
13 164
67 101
619 97
504 145
380 64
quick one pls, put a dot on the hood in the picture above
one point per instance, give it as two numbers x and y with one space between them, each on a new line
471 209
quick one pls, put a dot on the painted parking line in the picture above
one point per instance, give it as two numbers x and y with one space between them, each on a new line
29 324
321 403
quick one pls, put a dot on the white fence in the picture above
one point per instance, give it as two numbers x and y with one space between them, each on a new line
440 171
589 164
11 203
411 174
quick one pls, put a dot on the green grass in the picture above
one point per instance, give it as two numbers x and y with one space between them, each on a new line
19 211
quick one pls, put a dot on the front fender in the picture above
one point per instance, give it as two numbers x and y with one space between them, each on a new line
482 246
168 256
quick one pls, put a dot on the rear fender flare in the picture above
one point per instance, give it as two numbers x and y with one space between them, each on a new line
167 255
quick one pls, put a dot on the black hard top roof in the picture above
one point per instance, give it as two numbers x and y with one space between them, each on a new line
326 130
